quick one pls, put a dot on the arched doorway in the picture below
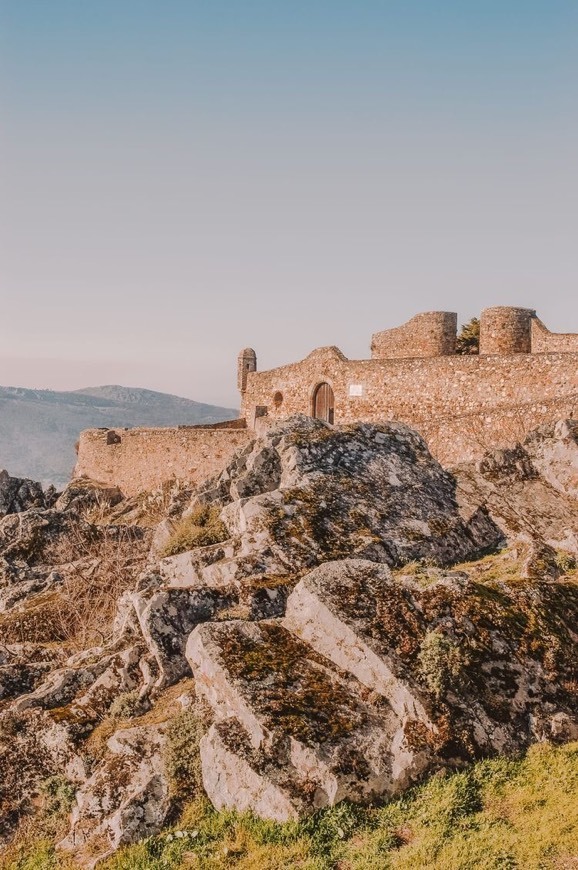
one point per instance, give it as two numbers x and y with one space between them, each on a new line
324 403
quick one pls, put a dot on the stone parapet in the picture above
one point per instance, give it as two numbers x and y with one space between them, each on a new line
137 460
544 341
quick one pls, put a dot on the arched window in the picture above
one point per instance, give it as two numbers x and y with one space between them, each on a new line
278 399
324 403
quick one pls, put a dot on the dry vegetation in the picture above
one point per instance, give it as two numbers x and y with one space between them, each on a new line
200 529
79 611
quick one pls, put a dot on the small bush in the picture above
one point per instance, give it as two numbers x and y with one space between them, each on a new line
327 828
126 706
202 528
565 561
441 661
58 796
182 756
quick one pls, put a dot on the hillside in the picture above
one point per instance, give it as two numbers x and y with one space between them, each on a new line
39 428
322 642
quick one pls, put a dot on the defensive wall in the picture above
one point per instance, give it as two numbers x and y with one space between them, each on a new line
523 376
544 341
136 460
431 333
462 404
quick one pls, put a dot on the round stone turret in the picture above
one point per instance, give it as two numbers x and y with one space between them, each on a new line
246 362
505 330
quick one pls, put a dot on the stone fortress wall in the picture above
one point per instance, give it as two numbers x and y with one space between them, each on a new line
544 341
432 333
137 460
523 377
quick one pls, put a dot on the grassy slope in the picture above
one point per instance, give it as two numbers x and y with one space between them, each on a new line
497 815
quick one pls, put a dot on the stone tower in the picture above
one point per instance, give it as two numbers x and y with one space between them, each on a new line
246 362
505 330
429 334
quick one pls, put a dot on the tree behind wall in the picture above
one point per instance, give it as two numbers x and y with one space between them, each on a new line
468 340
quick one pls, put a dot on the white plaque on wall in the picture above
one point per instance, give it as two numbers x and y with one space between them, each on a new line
356 389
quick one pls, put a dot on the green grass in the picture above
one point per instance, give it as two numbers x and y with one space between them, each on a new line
499 814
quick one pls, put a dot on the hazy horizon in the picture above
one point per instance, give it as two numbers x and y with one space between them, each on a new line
181 180
86 387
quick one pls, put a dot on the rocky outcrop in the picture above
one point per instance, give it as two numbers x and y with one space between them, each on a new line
553 451
355 623
307 492
370 679
19 494
299 495
531 490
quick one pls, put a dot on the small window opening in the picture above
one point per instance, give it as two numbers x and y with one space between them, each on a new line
278 399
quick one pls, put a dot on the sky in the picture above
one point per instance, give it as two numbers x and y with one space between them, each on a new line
180 179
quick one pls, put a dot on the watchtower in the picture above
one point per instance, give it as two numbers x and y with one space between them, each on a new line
505 330
246 362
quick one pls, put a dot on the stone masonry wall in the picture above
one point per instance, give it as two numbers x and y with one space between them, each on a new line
462 404
429 334
505 330
137 460
544 341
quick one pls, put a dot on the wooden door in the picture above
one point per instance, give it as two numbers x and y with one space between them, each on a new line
324 403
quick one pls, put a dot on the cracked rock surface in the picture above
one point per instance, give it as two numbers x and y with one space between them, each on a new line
361 617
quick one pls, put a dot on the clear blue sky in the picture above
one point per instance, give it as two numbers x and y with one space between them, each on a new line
180 179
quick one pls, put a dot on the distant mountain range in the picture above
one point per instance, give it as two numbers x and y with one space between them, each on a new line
39 428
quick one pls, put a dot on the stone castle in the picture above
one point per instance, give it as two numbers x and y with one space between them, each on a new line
523 377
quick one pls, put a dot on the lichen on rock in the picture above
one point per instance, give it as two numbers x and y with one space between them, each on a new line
347 616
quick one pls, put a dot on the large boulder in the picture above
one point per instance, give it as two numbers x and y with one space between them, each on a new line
370 679
83 495
305 730
166 618
305 493
475 667
126 799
